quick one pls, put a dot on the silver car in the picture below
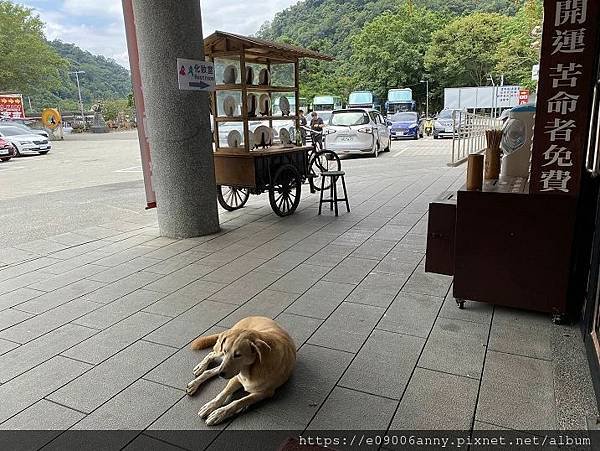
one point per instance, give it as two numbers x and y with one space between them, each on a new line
24 141
358 131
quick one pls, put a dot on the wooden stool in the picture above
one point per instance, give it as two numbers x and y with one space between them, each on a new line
333 199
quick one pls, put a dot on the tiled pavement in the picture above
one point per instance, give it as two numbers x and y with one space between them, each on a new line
95 324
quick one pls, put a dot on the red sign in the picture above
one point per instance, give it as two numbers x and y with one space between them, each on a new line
523 96
569 46
11 106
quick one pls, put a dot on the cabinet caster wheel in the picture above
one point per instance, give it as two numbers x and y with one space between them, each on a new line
460 303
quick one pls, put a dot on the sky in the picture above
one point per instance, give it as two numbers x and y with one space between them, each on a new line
97 25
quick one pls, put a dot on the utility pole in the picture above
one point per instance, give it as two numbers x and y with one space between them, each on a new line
77 72
426 81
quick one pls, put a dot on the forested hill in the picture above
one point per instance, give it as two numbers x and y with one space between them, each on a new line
326 24
104 79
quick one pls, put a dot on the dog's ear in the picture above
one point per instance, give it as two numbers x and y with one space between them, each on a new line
256 346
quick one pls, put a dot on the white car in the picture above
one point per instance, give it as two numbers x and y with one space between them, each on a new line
357 131
25 142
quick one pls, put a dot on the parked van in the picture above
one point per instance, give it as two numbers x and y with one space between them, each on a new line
363 99
326 103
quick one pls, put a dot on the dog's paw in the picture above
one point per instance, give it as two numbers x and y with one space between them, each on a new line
200 368
207 409
191 388
218 416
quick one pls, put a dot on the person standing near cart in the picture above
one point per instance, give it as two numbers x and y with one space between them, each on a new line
303 125
316 125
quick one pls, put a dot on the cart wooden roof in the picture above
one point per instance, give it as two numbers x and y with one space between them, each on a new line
221 42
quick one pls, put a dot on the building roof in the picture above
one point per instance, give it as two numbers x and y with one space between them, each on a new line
221 41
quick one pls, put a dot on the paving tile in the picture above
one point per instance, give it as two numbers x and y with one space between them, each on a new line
246 287
70 239
374 249
96 232
122 287
377 289
10 317
67 278
300 279
406 219
123 270
321 299
353 237
512 388
63 266
20 295
412 314
384 364
176 303
436 401
477 312
144 442
125 256
42 246
60 296
176 371
351 270
180 278
108 314
6 346
227 254
232 271
348 327
37 351
300 328
328 259
24 268
172 249
421 282
401 263
23 280
147 400
296 402
361 411
117 337
412 242
177 262
267 303
76 251
456 347
45 322
191 324
286 261
43 415
523 333
12 255
391 232
38 382
111 376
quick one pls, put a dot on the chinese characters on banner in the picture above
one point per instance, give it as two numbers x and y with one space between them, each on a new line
569 45
11 106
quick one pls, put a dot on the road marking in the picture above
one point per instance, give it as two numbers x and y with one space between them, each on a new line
131 169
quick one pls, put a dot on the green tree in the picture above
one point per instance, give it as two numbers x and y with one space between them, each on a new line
27 63
465 51
389 51
519 48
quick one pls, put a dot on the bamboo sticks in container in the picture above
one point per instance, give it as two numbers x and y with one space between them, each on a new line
492 154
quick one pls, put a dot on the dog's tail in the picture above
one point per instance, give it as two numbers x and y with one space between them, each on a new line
204 342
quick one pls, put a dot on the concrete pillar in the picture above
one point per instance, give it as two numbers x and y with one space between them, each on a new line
178 122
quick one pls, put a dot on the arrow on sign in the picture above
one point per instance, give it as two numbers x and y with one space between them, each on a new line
199 84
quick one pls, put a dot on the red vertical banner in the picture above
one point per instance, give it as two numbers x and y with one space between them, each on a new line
569 51
11 106
138 94
523 96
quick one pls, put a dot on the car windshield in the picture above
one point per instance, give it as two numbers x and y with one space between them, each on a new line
445 114
12 131
404 117
348 118
326 115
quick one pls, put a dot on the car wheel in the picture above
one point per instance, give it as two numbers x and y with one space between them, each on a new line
389 145
17 153
416 136
376 150
435 136
5 159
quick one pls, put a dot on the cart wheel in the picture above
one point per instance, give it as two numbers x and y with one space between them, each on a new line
559 318
232 198
284 194
322 161
460 303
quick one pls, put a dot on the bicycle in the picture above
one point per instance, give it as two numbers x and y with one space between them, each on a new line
320 161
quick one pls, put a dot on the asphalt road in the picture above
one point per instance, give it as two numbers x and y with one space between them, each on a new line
88 180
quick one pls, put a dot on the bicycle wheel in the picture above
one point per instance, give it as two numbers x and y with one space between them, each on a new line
322 161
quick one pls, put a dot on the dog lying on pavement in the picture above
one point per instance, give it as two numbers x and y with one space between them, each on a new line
256 354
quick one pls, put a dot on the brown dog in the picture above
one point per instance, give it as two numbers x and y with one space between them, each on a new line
256 354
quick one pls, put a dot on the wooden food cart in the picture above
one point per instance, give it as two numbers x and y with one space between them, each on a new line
256 120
